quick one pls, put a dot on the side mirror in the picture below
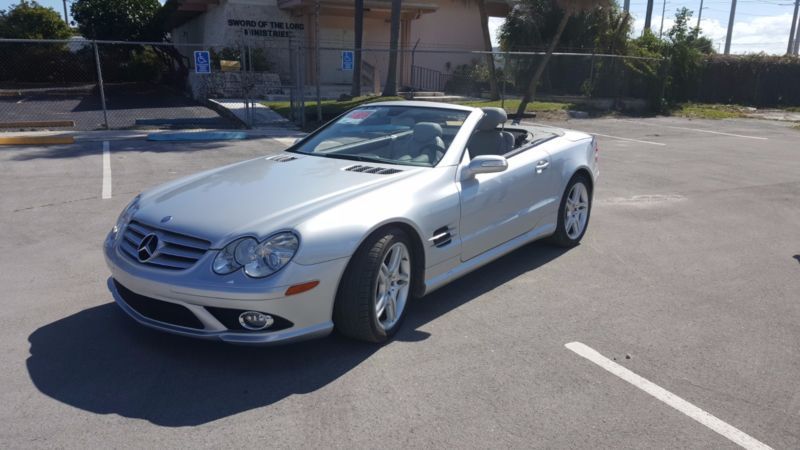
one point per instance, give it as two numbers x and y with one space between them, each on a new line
484 164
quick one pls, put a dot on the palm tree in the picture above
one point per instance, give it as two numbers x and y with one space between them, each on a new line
570 8
649 14
487 46
390 89
355 89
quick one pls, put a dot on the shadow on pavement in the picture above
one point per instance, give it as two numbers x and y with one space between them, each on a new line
137 146
98 360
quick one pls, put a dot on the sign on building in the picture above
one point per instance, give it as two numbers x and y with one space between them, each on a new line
347 60
202 62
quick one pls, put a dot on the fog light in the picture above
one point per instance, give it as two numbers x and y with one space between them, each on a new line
254 320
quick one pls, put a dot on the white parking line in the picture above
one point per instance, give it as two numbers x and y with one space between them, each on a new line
628 139
726 430
106 170
699 130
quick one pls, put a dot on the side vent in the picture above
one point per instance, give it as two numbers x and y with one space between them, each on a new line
441 237
281 158
372 169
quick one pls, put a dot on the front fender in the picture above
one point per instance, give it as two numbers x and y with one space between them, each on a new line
424 203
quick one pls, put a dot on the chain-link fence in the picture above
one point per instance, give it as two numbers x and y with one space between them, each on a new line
118 85
589 81
90 85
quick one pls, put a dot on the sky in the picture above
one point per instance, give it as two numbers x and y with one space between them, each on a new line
760 25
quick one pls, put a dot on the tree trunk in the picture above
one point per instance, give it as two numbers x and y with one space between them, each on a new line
649 16
355 89
530 93
391 74
487 45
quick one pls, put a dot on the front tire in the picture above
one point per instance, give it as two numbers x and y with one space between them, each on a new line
573 212
375 288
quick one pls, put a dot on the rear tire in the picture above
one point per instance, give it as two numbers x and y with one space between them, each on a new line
573 212
375 289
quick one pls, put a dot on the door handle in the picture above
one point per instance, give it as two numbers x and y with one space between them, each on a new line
542 165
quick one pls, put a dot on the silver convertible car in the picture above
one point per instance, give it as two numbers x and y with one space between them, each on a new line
387 202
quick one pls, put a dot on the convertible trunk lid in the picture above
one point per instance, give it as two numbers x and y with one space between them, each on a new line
260 196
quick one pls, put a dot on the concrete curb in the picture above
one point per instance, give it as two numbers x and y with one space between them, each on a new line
195 136
48 139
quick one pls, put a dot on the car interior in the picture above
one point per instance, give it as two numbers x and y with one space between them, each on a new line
420 136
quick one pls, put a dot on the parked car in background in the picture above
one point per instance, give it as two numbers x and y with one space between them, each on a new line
390 201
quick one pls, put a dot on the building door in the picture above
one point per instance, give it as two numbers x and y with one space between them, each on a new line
331 60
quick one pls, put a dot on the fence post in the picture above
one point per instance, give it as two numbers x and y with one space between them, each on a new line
317 55
100 84
301 69
591 75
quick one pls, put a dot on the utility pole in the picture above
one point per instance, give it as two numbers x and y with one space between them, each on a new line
793 31
627 6
66 19
700 14
648 15
663 11
730 28
796 40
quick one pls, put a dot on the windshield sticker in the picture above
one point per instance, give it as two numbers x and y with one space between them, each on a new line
356 117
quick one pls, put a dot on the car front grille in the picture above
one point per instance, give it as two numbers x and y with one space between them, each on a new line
175 251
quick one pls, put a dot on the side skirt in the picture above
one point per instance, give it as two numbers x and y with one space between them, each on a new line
490 255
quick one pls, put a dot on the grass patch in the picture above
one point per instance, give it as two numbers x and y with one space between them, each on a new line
330 108
708 111
333 108
511 105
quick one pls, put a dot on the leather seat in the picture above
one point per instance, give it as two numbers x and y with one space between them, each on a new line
489 140
426 144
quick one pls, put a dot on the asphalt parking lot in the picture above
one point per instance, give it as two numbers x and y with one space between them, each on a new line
128 106
689 277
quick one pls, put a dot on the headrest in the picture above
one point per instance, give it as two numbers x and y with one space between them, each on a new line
492 118
427 131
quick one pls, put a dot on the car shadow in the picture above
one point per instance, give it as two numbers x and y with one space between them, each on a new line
99 360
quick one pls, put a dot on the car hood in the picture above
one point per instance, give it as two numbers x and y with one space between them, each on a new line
258 197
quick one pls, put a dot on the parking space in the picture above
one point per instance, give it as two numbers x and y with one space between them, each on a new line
688 277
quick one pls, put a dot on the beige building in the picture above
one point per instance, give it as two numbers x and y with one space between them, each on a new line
276 25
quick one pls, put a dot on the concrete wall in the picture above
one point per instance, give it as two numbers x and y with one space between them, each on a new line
260 24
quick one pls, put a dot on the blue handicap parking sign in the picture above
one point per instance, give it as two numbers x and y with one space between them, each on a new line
347 60
202 62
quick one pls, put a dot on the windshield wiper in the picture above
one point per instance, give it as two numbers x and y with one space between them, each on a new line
354 157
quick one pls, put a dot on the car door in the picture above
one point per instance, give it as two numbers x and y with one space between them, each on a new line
497 207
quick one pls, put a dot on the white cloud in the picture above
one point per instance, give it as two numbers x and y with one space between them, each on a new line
767 34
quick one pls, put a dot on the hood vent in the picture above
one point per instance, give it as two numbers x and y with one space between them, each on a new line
281 158
372 169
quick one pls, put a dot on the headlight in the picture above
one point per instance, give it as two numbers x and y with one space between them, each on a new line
258 259
126 215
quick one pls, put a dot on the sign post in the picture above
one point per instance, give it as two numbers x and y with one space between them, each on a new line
347 60
202 62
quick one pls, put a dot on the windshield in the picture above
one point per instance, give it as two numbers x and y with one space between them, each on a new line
407 135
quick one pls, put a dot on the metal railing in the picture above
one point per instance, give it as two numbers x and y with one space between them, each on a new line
424 79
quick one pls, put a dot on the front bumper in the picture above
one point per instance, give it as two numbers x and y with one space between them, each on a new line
197 303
